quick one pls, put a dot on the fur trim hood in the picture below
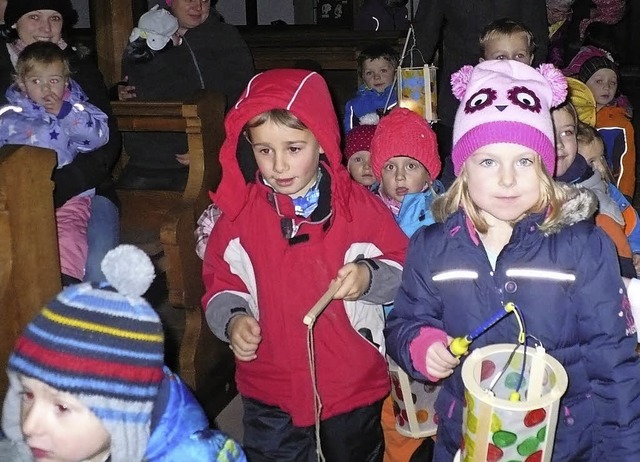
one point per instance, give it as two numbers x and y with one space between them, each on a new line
580 204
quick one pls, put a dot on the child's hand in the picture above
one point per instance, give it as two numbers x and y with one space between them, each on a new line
52 104
440 362
354 279
245 336
636 262
126 91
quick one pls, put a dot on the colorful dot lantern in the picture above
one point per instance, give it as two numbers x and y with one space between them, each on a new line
413 404
498 429
417 90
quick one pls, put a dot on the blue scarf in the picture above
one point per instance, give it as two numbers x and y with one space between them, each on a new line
305 205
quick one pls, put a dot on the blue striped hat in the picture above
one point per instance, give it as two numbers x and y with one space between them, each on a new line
103 344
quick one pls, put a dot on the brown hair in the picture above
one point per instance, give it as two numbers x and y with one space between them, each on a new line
551 198
377 51
586 135
41 53
281 117
506 27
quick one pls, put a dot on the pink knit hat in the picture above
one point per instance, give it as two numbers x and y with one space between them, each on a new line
404 133
358 139
506 102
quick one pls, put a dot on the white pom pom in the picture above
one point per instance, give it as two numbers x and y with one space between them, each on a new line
128 270
369 119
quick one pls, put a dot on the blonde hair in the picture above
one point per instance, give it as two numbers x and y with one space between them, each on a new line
506 28
551 199
586 135
41 54
281 117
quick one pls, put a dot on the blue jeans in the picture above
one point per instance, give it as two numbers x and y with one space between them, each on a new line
103 234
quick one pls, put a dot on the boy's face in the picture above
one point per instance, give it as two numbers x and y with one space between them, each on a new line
59 428
592 151
512 46
377 74
45 84
287 158
603 84
566 141
359 166
502 181
403 175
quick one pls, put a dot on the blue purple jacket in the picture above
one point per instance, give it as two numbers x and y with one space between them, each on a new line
367 101
79 127
573 302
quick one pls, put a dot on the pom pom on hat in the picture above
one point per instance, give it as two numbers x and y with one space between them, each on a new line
105 346
507 102
404 133
359 138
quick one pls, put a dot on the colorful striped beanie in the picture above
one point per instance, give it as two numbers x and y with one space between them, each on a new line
103 344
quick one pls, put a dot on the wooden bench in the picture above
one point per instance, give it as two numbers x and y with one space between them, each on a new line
29 262
163 223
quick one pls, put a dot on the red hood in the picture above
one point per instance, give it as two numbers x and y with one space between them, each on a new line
306 95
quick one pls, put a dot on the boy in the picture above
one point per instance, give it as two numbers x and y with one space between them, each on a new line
292 222
48 109
601 75
507 39
357 153
376 67
87 381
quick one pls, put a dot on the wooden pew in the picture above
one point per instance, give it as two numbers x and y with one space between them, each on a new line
163 222
29 262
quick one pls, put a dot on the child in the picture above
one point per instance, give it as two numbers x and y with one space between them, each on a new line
290 225
404 155
573 169
591 147
507 232
358 155
48 109
507 39
613 122
376 67
87 381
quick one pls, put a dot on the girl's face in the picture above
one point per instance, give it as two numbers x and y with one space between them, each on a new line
287 158
566 142
359 167
40 26
603 84
45 84
190 13
503 181
403 175
57 427
377 74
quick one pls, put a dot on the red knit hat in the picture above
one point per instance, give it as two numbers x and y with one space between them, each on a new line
404 133
358 139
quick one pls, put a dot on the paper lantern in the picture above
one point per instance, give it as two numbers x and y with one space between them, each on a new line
417 90
495 428
413 404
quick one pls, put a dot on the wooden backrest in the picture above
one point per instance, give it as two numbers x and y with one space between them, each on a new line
29 262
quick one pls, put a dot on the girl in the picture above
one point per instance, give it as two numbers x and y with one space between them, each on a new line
507 233
404 156
357 153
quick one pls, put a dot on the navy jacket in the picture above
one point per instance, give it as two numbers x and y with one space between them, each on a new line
575 305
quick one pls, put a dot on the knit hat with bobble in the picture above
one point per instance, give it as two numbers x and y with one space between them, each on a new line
103 344
359 138
404 133
506 102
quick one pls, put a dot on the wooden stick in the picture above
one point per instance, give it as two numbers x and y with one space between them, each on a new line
322 303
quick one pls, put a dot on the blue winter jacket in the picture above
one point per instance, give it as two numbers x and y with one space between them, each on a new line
180 430
79 127
632 230
575 304
367 101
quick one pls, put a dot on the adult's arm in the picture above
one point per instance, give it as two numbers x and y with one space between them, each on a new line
89 171
427 24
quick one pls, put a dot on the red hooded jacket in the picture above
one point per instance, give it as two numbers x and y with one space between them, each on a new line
250 260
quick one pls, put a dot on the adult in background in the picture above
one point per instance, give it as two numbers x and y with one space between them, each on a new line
28 21
211 55
461 22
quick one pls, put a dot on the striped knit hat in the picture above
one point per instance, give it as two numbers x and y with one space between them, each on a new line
104 345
